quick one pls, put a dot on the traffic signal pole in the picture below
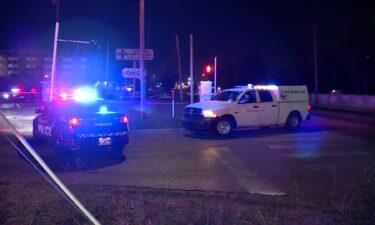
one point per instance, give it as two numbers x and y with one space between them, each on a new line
215 68
315 65
142 54
179 67
191 71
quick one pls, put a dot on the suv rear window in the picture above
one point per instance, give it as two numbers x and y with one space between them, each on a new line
71 107
265 96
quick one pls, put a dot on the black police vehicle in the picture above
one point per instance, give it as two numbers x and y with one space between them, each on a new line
71 124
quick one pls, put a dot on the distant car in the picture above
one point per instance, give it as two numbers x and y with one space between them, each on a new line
70 124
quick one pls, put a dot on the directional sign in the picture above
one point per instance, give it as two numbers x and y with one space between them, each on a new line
133 54
131 73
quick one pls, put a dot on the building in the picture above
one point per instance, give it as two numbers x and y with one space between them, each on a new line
29 67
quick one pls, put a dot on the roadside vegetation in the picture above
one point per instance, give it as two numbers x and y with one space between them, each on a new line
42 205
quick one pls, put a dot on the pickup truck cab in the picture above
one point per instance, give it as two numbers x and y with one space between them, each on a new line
249 106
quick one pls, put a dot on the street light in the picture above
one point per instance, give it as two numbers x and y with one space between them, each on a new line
54 52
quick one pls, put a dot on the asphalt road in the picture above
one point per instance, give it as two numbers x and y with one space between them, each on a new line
328 157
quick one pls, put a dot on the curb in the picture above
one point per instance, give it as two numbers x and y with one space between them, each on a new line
155 130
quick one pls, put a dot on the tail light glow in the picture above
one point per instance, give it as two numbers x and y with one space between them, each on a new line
124 119
309 108
74 122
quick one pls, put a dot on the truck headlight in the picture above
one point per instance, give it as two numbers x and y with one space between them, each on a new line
209 114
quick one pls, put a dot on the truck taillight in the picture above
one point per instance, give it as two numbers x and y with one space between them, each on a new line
124 119
73 122
309 108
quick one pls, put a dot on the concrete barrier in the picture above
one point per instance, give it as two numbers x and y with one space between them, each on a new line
360 103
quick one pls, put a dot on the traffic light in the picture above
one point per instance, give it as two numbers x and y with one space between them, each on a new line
208 69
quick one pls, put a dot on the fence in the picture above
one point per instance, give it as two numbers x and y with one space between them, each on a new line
360 103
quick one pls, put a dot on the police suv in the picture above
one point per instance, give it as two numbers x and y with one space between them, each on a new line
249 106
70 124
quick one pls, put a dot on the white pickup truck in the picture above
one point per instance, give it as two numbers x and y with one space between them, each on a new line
249 106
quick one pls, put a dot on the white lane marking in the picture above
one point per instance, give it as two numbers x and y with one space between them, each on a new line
303 146
331 154
251 182
21 117
289 139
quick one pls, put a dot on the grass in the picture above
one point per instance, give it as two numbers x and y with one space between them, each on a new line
40 204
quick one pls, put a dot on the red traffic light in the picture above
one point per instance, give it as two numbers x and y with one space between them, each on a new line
208 69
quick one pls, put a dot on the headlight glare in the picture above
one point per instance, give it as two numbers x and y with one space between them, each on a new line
209 114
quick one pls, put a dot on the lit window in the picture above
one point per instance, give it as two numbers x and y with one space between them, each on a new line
67 59
30 58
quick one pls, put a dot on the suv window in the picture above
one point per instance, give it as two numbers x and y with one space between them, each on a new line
70 107
248 97
265 96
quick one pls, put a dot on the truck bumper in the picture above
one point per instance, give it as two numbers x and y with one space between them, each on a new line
83 141
203 124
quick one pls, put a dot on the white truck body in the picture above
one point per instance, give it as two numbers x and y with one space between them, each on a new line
252 106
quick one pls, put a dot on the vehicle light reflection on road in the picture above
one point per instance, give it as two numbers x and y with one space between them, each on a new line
309 146
234 170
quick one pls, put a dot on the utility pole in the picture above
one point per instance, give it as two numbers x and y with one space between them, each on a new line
179 67
52 85
142 54
215 68
315 63
134 66
107 66
191 71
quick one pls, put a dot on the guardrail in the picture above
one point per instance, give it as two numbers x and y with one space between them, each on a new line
359 103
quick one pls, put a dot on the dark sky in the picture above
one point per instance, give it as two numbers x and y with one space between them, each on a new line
231 30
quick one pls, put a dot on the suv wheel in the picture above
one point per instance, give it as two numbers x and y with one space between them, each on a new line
57 143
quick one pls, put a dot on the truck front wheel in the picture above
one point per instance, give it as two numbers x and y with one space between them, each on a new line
224 126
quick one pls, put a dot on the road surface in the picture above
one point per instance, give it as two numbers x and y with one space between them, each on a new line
328 157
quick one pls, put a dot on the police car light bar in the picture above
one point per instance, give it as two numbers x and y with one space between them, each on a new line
63 95
85 94
15 90
266 87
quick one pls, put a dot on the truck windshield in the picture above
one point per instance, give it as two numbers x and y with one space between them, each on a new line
227 96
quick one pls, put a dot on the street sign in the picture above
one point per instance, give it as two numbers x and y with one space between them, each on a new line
133 54
131 73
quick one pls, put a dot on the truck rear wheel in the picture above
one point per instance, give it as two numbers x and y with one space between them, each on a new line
224 126
293 121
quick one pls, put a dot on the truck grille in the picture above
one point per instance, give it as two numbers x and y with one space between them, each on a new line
192 113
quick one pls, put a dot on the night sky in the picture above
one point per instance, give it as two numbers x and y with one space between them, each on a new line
269 40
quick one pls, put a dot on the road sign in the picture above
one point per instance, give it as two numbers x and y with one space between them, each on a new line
131 73
133 54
